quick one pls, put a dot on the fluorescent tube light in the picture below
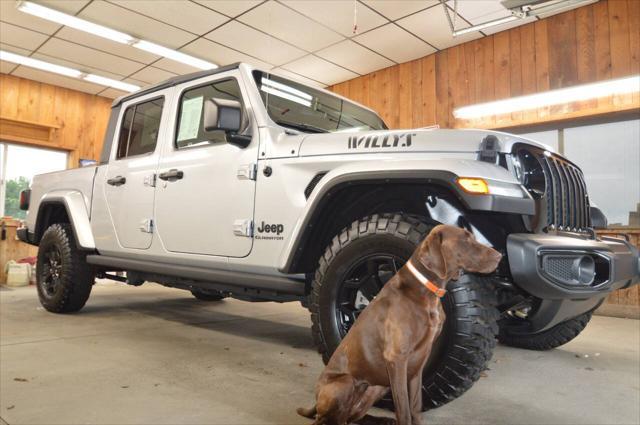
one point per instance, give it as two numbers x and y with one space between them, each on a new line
285 95
286 88
480 27
111 34
35 63
63 70
116 84
173 54
73 22
549 98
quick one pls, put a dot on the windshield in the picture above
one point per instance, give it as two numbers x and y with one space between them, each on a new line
297 106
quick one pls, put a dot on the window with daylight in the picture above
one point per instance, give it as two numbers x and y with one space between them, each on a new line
18 165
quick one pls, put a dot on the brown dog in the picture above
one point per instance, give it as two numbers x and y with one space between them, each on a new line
389 344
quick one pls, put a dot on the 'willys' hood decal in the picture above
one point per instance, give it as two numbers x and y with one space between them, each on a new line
426 140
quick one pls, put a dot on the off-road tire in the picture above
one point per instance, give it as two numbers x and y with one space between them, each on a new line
207 296
76 277
558 335
468 338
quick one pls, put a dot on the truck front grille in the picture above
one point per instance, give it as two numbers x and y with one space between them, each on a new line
557 186
566 194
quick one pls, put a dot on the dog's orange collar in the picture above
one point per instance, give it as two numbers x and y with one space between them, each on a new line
426 282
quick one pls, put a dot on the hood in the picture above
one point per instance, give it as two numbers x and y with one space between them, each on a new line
419 140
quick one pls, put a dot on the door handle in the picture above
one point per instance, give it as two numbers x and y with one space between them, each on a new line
171 175
117 181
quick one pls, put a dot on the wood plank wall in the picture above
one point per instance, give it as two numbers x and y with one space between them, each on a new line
592 43
77 121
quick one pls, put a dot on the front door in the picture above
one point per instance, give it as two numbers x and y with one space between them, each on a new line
204 202
129 177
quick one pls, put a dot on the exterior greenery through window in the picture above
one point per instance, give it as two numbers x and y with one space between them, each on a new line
297 106
18 165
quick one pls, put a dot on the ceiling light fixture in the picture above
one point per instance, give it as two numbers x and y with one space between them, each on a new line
554 97
480 27
116 84
111 34
73 22
68 72
173 54
38 64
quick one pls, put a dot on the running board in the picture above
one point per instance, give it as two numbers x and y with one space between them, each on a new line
283 285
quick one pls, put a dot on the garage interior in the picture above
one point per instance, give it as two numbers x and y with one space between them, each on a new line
152 354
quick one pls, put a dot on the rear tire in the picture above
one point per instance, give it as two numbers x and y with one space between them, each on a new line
64 279
552 338
208 296
468 337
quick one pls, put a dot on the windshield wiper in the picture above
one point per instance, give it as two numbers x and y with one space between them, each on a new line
302 126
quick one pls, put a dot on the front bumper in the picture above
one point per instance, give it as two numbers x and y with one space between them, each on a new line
23 234
556 266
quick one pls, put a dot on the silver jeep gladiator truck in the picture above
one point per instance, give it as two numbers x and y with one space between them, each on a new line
239 183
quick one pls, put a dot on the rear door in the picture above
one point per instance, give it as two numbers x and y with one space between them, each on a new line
207 207
129 179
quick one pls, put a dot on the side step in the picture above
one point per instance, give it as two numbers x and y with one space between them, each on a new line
279 284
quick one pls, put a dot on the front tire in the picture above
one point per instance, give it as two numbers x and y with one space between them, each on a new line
552 338
64 279
354 268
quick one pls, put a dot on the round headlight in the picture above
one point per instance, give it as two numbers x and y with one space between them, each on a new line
529 172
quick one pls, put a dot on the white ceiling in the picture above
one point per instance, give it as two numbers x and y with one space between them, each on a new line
310 40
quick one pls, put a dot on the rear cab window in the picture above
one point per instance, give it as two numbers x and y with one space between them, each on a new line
140 128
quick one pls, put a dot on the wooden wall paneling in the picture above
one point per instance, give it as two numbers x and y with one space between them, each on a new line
53 117
563 67
502 70
586 52
429 96
515 65
542 61
634 41
442 89
9 91
619 38
457 84
405 97
620 44
417 118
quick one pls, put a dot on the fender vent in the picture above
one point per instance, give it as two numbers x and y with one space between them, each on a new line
312 184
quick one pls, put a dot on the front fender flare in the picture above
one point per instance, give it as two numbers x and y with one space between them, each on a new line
74 203
447 179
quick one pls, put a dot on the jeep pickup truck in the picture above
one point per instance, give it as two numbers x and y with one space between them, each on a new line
238 183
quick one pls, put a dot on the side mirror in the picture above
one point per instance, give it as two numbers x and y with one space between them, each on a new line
225 115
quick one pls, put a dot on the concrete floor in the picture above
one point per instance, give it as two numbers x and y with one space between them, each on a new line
156 355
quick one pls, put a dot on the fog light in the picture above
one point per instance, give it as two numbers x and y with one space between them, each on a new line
584 269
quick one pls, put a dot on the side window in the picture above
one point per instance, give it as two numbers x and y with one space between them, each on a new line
190 124
140 128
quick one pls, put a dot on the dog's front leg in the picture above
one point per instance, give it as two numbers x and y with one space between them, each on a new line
397 370
415 397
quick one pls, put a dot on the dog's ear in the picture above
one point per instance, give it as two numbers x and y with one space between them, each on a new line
431 253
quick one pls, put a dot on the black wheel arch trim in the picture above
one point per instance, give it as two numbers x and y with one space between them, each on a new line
443 178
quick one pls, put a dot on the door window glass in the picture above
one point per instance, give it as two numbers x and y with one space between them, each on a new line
140 128
190 123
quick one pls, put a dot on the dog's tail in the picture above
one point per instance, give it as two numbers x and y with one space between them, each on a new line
307 413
